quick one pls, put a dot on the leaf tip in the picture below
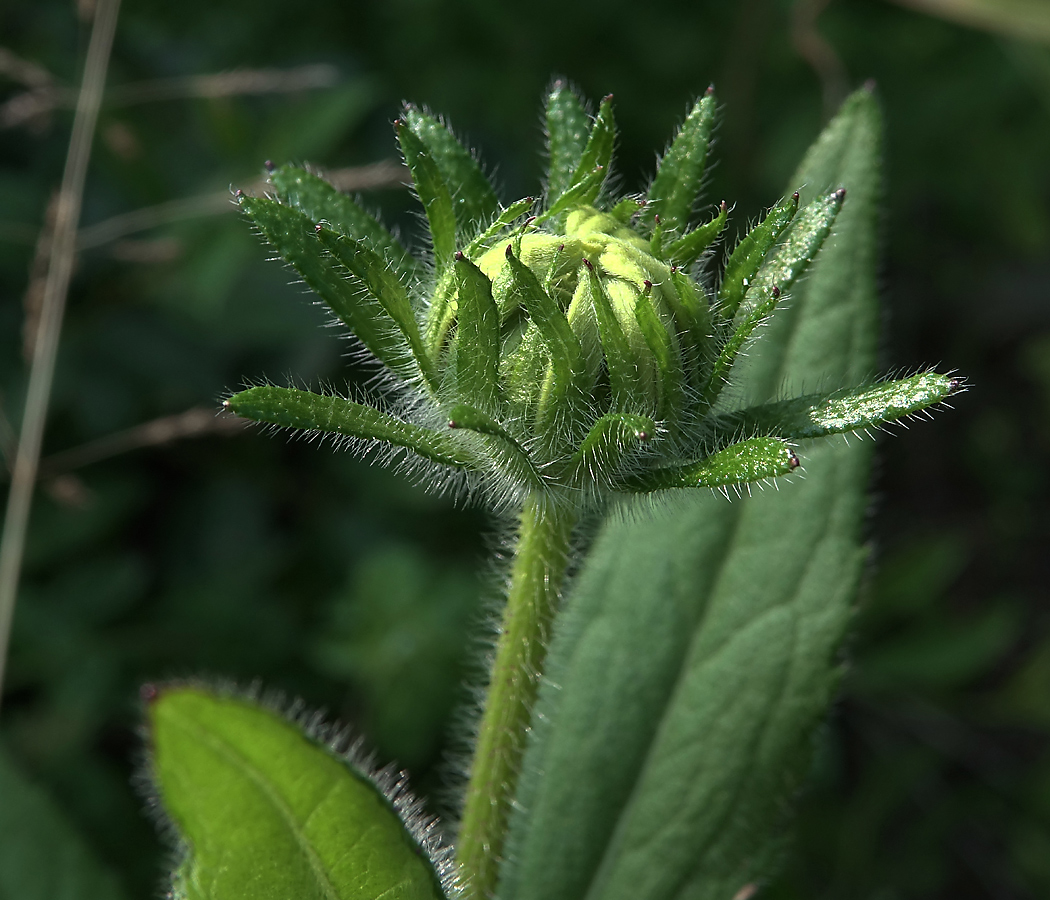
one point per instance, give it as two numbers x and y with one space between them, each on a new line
270 166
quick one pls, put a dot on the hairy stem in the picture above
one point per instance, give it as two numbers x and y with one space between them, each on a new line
539 565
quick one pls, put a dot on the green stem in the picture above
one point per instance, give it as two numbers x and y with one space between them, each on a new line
539 566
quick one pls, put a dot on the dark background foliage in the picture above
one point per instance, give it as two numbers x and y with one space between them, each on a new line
241 555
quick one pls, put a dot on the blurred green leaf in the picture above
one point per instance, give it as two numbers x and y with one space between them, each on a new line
267 812
686 752
315 125
396 634
41 856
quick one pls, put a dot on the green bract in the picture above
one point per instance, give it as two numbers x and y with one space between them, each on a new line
567 350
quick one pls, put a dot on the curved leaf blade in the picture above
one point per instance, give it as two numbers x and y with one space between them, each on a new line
267 812
687 752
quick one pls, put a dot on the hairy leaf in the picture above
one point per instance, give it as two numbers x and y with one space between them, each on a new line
598 151
435 193
749 253
41 856
697 649
743 463
677 183
294 236
265 812
292 408
851 409
474 355
473 197
384 286
568 127
320 201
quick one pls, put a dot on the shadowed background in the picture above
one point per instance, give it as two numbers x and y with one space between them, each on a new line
167 543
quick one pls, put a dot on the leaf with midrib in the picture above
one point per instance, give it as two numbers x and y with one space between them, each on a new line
266 812
41 856
697 649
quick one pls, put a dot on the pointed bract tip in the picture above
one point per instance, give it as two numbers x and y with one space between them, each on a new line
793 461
642 435
607 98
710 90
459 256
674 269
870 85
452 423
775 292
528 222
722 207
225 404
588 264
648 286
656 219
148 692
559 84
794 196
840 195
239 194
510 251
561 247
269 166
956 384
318 227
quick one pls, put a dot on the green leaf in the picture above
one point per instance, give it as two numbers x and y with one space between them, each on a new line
619 360
799 248
294 236
292 408
597 154
668 363
474 355
851 409
382 284
756 314
748 255
434 191
522 288
693 318
742 463
474 200
321 202
582 192
613 436
265 811
678 179
468 418
506 217
697 650
41 856
687 249
568 127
